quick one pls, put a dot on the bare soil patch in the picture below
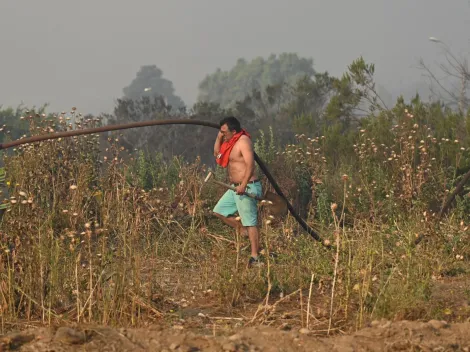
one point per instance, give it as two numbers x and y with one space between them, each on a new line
379 336
202 326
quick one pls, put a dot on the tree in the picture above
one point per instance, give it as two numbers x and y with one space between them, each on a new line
228 87
168 141
14 123
309 99
456 71
355 95
144 109
149 82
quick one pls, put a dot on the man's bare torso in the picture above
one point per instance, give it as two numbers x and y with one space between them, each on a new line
236 166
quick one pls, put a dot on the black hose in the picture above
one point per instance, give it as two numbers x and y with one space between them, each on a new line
108 128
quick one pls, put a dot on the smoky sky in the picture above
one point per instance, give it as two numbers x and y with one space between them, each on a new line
82 53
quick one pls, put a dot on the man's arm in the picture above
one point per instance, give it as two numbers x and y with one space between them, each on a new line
218 143
246 149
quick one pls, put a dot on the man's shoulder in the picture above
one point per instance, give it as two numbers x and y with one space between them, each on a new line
244 143
244 138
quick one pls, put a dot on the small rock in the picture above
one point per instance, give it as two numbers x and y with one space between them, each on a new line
235 337
438 324
69 335
174 346
14 340
304 331
375 323
229 346
155 342
186 348
404 345
385 325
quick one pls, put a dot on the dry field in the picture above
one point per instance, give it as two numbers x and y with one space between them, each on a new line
106 250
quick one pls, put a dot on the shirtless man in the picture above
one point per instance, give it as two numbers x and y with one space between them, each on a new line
240 163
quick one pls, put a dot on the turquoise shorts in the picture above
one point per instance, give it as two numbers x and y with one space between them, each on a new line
231 203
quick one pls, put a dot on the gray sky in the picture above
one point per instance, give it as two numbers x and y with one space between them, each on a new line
82 53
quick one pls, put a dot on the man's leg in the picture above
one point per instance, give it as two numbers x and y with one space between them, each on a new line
226 208
248 210
253 234
229 220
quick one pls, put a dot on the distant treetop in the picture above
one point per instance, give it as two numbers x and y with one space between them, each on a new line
227 87
149 82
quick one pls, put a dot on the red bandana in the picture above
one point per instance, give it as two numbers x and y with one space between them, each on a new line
226 148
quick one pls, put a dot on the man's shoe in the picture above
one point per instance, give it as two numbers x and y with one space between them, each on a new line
272 255
254 262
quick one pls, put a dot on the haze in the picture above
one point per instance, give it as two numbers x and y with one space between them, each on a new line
82 53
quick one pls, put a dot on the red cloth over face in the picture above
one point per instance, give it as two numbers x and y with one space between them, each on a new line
226 148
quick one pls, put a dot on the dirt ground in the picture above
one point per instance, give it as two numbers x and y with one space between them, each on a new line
383 335
203 328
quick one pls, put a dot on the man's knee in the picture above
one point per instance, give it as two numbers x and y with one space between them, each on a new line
251 229
248 210
250 223
220 216
223 217
249 217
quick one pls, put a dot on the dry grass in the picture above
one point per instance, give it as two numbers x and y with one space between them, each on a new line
87 239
